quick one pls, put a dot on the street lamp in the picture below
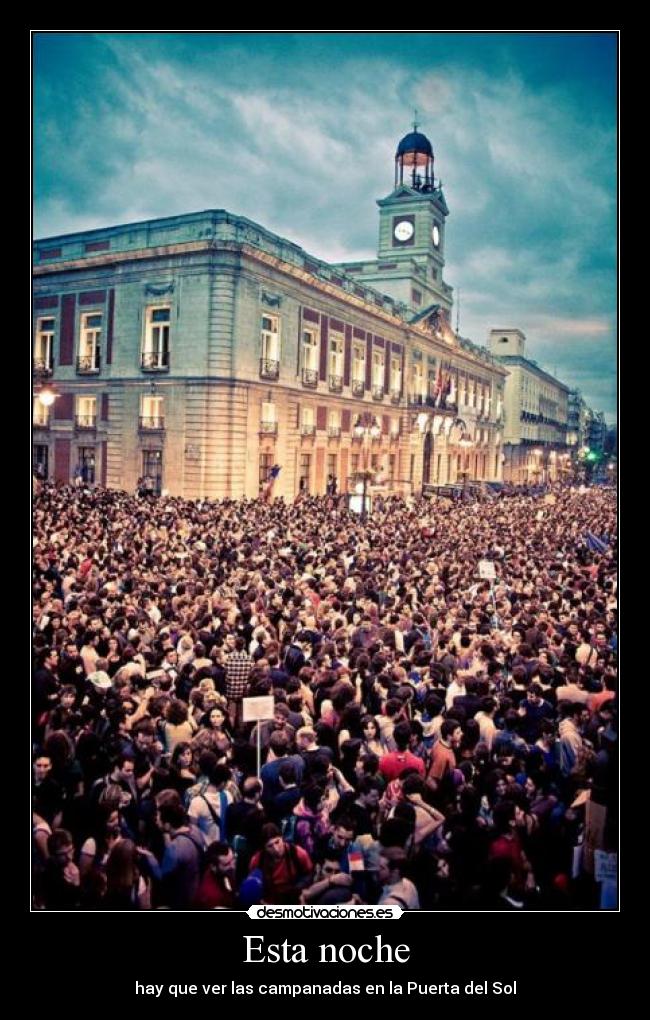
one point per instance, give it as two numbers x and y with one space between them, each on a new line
367 428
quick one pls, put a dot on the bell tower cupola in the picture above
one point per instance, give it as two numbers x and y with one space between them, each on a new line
414 161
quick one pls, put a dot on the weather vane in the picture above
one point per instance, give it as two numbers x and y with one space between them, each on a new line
415 120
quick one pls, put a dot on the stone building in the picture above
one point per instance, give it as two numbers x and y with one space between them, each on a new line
536 415
200 350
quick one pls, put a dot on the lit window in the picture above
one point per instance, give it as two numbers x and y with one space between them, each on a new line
155 351
310 350
90 341
395 375
152 412
43 344
336 354
378 370
86 412
270 338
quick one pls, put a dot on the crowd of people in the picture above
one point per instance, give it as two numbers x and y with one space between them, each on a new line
436 737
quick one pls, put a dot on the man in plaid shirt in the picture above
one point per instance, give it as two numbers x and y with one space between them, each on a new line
238 667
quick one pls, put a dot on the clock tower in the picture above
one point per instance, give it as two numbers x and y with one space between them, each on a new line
410 253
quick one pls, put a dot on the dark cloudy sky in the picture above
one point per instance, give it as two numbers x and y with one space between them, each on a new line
298 132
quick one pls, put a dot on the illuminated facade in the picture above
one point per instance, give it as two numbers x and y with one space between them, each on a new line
199 350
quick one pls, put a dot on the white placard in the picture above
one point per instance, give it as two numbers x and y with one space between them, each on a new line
486 570
258 708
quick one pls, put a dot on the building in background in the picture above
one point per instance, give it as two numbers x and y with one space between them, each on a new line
197 351
577 420
596 431
536 415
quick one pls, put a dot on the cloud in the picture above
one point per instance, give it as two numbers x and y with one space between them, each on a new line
299 134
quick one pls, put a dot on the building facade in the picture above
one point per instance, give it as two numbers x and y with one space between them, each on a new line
536 415
596 431
578 414
200 350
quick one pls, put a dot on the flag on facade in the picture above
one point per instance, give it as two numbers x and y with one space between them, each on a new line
268 488
439 387
447 389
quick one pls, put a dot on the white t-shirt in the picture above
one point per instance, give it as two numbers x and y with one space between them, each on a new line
200 813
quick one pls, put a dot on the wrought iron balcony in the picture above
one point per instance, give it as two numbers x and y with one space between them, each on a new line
152 424
86 422
358 387
269 369
333 431
41 423
89 364
442 407
307 431
268 428
377 392
310 377
154 361
43 369
336 383
395 396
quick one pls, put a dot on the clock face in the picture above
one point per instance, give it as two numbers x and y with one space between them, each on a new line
403 231
435 233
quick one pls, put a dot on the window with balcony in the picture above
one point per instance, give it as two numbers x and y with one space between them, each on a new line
40 460
268 419
40 415
310 358
266 463
43 346
270 360
155 348
358 370
86 413
305 472
152 413
307 422
86 464
395 379
377 375
90 337
335 363
334 424
152 470
417 383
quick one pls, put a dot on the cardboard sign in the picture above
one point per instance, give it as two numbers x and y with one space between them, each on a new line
486 570
256 709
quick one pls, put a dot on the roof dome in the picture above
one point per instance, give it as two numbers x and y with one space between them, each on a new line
414 142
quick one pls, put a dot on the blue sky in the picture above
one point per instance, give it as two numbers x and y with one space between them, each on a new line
298 132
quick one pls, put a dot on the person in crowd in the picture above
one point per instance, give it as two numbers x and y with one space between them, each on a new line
418 711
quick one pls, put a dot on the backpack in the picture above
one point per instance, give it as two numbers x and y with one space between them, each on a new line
290 827
200 849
